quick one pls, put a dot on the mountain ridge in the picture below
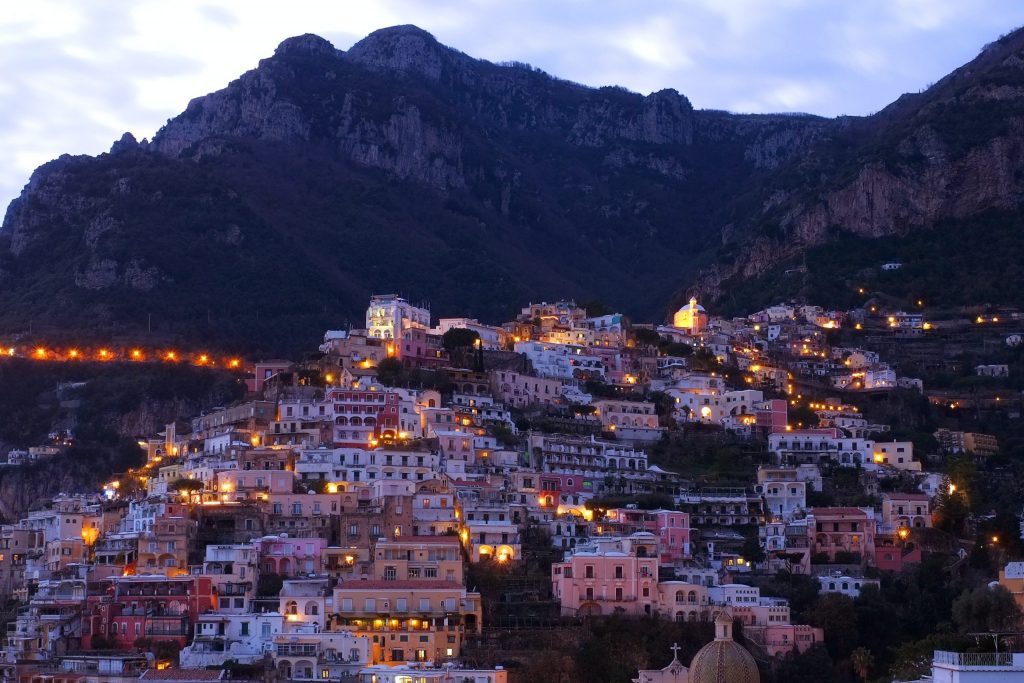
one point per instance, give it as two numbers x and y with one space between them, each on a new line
299 174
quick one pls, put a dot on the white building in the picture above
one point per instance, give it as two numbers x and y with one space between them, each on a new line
491 337
975 667
560 360
713 407
244 638
389 315
847 585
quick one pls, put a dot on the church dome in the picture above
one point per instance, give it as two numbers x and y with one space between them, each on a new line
723 660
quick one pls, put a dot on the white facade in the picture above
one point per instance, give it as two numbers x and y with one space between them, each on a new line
388 316
560 360
847 585
712 408
491 337
977 667
244 638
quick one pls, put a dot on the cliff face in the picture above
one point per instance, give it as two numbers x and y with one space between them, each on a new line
950 153
322 175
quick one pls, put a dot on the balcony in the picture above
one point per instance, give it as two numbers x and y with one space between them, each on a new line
979 660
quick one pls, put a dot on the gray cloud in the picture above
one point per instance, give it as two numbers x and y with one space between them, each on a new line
74 75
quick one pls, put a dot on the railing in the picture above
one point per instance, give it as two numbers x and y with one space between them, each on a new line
982 659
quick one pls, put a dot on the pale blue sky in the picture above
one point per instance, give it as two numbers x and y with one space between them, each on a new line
75 74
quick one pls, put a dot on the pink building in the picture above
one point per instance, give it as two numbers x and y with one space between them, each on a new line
363 414
555 485
844 535
520 390
671 527
772 417
290 556
263 371
893 554
781 639
606 575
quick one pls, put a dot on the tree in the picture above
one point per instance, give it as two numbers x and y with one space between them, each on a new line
803 416
646 337
269 584
812 666
190 487
986 609
862 661
459 338
836 614
676 349
390 372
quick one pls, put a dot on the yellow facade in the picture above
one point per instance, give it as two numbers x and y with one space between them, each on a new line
691 317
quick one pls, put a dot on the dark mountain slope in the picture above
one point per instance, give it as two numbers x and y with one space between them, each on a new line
271 209
944 156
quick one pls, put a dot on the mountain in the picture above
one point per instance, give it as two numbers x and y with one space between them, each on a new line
271 210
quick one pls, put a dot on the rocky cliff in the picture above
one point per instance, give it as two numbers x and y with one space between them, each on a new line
271 209
950 153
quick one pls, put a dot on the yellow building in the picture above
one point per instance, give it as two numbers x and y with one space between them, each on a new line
1011 577
164 550
431 558
691 317
412 620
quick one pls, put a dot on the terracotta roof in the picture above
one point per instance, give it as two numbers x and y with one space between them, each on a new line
182 674
412 584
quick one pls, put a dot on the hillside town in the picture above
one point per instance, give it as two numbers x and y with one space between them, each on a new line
346 520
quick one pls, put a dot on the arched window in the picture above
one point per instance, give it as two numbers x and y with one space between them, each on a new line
292 607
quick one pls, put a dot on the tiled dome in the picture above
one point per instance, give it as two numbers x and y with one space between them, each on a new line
723 660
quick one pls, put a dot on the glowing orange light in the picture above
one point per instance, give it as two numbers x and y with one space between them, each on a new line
203 359
40 352
234 363
104 354
171 355
73 353
136 354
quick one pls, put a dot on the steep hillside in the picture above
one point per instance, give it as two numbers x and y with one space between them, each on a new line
951 156
270 210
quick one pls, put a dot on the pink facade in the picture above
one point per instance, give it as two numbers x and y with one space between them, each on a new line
831 531
609 575
554 484
670 527
420 348
153 607
361 415
782 639
263 371
893 554
520 390
291 556
773 417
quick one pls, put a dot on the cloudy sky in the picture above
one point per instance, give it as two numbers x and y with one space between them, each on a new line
75 74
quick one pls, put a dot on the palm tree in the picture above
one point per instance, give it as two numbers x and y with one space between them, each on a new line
862 661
